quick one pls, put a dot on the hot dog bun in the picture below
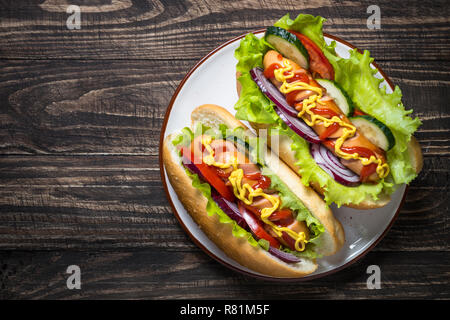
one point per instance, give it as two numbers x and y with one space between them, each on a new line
288 156
238 249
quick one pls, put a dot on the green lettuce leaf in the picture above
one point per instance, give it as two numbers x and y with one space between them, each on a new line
309 25
291 201
253 146
250 53
308 253
334 191
253 106
263 243
184 138
212 208
357 77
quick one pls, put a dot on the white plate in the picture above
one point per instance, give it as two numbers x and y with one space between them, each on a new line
212 81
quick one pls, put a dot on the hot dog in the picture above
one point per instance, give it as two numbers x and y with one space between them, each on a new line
336 128
255 208
273 58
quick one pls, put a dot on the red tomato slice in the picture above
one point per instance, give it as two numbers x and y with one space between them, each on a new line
318 63
256 226
358 112
209 174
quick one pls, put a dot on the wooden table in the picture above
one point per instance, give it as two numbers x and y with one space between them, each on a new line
81 112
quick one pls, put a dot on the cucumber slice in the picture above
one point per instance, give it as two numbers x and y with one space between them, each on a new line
339 95
288 45
377 132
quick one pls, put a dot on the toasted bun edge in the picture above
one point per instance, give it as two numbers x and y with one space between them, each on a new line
288 156
333 238
238 249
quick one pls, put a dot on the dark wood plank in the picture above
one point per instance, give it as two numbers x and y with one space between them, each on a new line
107 202
79 106
117 107
95 126
160 274
190 29
80 117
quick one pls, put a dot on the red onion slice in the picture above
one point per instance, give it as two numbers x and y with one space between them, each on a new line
282 108
192 168
332 161
230 208
271 91
331 165
299 127
284 256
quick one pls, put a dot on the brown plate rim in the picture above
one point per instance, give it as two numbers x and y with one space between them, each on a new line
186 229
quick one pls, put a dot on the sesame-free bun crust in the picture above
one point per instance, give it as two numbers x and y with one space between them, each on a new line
238 249
333 238
288 156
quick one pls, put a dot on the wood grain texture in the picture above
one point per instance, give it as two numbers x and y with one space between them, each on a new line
80 117
88 202
117 107
163 274
415 30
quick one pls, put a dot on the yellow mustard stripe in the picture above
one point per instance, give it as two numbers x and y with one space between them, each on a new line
241 191
210 160
282 75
